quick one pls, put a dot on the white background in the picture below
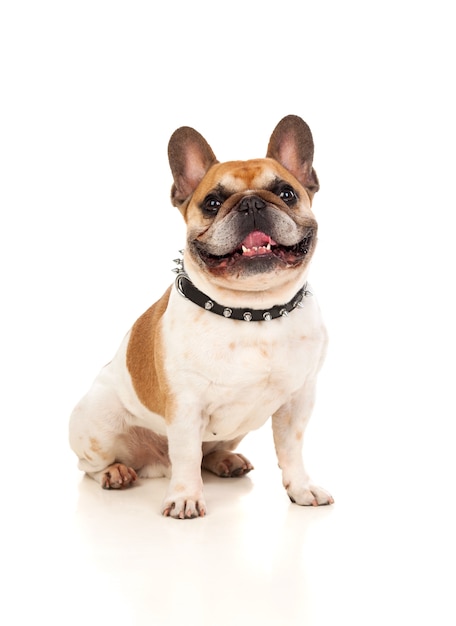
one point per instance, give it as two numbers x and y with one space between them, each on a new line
90 93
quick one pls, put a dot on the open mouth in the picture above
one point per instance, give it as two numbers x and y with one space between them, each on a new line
259 246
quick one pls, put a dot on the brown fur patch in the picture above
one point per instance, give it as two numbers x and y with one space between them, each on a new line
96 448
94 445
145 358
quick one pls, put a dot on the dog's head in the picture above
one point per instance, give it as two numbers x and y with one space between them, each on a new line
249 223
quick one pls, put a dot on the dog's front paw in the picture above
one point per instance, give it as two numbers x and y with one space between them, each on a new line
181 506
309 496
118 476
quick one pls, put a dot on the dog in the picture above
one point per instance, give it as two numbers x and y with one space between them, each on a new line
237 339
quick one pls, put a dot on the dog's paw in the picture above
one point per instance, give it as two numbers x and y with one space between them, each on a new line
227 464
181 506
309 496
118 476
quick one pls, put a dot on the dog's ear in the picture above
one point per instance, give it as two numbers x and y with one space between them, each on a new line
190 157
291 144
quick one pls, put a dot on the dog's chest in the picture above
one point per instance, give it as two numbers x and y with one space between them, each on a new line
240 373
241 389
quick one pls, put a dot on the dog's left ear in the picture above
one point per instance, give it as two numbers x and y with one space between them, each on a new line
291 144
190 157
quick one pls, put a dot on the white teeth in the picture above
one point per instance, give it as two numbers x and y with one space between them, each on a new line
256 249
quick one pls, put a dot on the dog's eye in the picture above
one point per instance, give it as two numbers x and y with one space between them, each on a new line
211 205
288 195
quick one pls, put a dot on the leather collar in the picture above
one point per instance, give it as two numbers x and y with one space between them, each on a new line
188 290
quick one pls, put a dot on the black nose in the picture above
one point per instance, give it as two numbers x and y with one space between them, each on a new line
250 204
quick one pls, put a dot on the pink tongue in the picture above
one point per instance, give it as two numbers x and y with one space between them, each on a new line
257 239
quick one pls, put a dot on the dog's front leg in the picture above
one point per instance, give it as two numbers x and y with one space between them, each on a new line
184 498
289 424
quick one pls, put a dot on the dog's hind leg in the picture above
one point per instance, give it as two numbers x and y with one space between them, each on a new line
220 459
96 426
110 448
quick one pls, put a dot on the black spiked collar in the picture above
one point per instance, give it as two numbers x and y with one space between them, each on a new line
188 290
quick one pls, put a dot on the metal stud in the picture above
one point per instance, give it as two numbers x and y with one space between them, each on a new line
178 262
227 312
208 305
179 286
247 316
181 251
283 312
176 270
267 316
308 293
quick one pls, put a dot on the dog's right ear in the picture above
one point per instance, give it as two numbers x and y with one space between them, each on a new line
190 157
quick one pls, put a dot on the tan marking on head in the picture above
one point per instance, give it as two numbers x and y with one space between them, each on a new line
253 175
238 176
248 175
145 359
299 435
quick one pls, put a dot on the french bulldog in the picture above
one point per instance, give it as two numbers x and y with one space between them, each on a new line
237 339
